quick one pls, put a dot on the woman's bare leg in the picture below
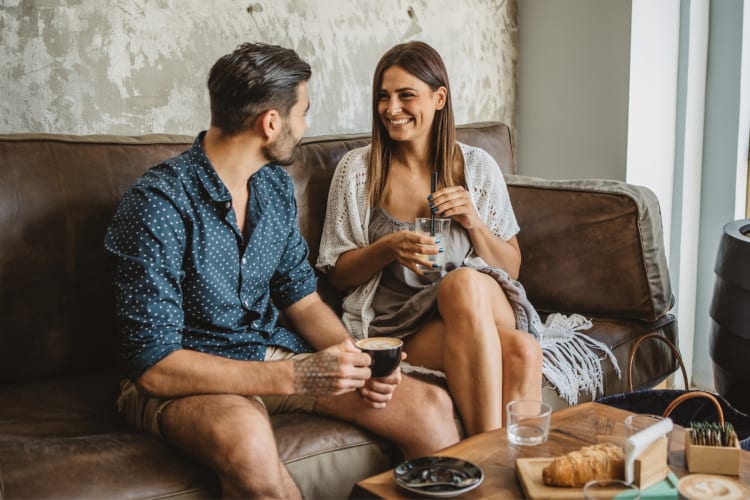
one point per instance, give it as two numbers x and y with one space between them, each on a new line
469 344
522 366
464 343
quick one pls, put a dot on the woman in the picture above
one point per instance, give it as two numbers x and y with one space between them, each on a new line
459 322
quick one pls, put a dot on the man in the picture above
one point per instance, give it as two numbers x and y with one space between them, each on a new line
207 251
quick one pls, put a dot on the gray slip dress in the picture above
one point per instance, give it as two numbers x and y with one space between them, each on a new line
405 301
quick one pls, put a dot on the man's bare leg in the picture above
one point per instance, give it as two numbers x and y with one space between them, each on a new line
232 435
419 418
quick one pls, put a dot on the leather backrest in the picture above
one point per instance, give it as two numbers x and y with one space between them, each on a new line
57 196
593 247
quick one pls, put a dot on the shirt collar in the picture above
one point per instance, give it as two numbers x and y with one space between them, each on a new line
206 172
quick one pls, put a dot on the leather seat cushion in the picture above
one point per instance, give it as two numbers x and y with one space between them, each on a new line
66 431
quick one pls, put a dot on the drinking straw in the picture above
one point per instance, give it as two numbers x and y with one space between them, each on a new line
433 187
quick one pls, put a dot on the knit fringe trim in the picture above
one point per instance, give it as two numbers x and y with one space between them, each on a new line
571 362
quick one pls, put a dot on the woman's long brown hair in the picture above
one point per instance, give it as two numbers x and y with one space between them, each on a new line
422 61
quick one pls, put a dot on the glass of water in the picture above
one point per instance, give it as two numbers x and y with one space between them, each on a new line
527 422
636 423
440 229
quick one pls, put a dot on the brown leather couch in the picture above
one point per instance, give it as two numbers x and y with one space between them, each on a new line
591 247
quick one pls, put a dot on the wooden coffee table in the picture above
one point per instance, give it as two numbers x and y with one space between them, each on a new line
571 428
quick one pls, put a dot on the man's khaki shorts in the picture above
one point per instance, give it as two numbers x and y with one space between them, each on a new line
143 412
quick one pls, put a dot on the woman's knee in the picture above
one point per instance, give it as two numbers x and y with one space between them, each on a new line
523 349
463 288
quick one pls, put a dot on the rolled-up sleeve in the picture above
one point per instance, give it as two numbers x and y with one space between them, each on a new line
294 278
146 240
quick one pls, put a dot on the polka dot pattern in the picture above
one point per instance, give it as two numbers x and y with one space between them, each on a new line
186 277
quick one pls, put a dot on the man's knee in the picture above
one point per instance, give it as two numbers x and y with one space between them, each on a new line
436 402
247 444
246 457
438 416
231 433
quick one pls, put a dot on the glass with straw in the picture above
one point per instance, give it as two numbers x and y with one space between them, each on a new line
433 188
439 229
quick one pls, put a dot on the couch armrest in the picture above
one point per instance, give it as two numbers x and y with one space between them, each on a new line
593 247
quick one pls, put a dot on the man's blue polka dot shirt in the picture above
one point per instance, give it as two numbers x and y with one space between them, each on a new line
185 275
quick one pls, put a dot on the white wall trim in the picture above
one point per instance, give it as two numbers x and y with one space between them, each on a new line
726 116
654 57
689 211
740 198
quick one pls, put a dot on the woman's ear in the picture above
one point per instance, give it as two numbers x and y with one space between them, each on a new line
440 97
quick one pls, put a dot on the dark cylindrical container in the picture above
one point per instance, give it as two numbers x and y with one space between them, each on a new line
730 312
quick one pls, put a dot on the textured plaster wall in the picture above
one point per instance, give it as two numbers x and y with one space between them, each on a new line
139 66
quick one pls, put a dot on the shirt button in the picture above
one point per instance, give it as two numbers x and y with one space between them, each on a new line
228 204
246 302
244 260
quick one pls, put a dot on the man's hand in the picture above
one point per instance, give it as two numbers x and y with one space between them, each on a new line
336 370
377 392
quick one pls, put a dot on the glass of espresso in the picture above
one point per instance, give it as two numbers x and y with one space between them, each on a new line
385 353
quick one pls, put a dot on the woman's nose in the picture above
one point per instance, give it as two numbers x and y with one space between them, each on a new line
394 106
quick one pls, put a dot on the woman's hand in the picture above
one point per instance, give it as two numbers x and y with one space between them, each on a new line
455 202
410 248
359 265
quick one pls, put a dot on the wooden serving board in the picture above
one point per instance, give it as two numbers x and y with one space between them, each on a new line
529 472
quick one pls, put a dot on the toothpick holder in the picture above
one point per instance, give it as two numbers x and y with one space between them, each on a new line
711 459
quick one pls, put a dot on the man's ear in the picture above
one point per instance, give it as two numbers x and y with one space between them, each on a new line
269 123
440 97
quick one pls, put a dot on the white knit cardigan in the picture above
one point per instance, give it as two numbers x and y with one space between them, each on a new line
348 218
571 362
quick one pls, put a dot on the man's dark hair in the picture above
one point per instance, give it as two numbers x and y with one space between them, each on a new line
251 80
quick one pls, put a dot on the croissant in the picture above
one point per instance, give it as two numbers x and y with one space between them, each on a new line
574 469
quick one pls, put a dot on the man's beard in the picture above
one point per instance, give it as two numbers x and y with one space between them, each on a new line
283 150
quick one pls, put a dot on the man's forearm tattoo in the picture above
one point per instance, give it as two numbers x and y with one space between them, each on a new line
316 375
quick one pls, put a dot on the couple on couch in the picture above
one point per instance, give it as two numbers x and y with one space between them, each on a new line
207 253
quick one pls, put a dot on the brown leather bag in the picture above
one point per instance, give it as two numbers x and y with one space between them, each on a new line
682 406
